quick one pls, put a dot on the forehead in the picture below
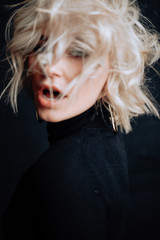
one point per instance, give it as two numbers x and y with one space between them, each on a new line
73 14
76 5
82 24
70 21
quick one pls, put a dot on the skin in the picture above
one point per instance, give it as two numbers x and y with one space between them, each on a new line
61 74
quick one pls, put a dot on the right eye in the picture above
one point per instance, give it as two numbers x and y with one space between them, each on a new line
40 46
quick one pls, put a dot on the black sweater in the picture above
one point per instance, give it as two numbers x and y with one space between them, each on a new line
77 189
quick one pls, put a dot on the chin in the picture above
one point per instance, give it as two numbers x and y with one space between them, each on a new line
50 115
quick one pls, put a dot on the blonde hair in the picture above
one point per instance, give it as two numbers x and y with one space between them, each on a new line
101 28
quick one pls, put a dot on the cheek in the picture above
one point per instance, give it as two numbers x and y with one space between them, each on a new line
33 65
73 68
31 60
34 70
100 79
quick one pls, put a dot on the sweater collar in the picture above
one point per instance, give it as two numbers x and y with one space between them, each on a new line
92 118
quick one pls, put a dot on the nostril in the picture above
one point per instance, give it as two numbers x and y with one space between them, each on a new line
54 70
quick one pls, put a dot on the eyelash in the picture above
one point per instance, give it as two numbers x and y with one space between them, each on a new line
40 46
77 54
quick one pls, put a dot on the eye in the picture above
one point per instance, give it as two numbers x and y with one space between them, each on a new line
77 53
39 48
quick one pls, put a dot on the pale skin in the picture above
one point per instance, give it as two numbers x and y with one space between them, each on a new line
61 74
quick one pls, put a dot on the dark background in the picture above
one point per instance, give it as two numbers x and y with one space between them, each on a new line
23 139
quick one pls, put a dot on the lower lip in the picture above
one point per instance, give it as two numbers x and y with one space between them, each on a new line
48 103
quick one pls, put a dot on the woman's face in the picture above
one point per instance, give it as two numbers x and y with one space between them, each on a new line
61 74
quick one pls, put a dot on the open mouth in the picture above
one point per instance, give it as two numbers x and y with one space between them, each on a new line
51 95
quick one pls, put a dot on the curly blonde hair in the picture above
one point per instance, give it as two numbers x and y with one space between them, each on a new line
101 28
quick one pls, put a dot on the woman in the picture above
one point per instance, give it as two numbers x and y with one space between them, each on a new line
83 64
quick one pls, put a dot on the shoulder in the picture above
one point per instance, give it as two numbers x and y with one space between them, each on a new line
99 141
105 156
88 141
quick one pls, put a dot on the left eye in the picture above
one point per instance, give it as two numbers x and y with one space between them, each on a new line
77 53
38 48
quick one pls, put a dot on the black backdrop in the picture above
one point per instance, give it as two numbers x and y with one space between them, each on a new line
23 139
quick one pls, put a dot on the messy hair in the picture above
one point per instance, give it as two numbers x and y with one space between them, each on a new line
113 29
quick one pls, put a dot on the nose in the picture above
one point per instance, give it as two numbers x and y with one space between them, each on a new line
55 69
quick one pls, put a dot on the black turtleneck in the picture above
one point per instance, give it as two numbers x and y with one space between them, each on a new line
92 118
76 190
